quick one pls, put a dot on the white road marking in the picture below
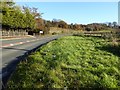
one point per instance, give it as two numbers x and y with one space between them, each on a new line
18 43
21 42
11 44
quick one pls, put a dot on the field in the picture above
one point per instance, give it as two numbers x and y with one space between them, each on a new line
70 62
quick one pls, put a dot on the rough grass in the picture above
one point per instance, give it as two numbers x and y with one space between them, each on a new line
71 62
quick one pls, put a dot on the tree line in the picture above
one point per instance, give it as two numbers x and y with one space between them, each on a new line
19 18
15 17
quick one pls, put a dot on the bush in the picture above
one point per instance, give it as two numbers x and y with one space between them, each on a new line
88 29
54 33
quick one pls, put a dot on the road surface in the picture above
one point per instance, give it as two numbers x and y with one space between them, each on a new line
15 50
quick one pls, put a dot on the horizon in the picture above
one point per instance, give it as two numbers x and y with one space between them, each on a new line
77 12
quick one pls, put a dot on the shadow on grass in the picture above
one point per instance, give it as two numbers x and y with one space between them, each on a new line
112 49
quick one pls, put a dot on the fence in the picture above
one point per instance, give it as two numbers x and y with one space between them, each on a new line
13 32
102 33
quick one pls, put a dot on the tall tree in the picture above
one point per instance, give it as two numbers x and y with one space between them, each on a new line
28 19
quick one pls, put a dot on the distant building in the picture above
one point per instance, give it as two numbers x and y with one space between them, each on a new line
119 13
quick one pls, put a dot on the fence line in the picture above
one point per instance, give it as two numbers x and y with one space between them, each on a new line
13 33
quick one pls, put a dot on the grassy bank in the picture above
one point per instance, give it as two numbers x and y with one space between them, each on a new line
72 61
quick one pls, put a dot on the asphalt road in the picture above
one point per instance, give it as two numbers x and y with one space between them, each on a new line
4 42
12 54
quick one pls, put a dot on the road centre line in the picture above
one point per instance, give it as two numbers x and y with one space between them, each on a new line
18 43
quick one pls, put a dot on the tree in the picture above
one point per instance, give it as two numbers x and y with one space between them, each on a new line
62 24
110 24
29 18
7 8
71 26
114 24
88 29
13 16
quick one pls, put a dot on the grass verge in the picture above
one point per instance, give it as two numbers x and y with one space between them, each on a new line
71 62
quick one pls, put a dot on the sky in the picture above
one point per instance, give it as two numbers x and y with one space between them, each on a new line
77 12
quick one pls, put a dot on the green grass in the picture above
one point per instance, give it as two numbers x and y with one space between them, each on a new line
72 61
